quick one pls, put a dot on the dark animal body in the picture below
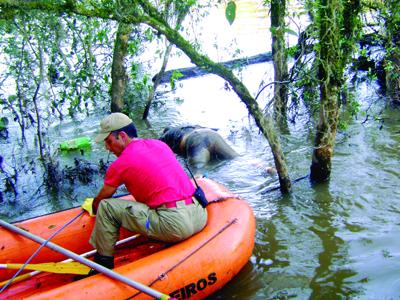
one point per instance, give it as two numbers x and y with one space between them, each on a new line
199 145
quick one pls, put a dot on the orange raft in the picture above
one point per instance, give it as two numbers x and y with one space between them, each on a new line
191 269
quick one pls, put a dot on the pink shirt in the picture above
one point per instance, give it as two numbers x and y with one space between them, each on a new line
150 172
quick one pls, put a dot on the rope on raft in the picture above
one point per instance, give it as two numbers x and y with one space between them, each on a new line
162 275
38 249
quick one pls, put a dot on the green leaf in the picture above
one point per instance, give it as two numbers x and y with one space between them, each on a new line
230 12
12 98
176 75
3 123
290 31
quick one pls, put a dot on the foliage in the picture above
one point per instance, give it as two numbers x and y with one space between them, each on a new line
176 75
3 123
291 51
350 108
343 30
53 66
230 12
137 90
392 46
381 25
67 56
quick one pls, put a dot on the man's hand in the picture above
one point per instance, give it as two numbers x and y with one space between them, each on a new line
105 192
88 206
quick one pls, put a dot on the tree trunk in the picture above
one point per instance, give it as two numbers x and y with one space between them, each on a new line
392 60
336 36
278 11
38 83
118 69
328 58
393 78
321 164
156 81
193 72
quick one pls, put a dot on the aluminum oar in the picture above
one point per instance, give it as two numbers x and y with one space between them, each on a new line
86 254
99 268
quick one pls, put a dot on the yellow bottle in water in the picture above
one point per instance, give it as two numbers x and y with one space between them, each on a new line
75 144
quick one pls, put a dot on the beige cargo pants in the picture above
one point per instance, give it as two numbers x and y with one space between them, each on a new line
164 224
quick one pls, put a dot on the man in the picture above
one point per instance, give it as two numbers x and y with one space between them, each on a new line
165 208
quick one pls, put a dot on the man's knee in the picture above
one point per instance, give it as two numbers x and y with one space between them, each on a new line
110 209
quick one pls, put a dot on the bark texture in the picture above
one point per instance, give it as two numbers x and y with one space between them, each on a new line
118 69
336 36
278 12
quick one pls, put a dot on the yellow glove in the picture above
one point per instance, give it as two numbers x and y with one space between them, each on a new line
88 206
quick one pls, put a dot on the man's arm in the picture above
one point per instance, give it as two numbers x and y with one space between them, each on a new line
105 192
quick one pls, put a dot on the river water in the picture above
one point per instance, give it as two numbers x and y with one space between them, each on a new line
332 241
338 240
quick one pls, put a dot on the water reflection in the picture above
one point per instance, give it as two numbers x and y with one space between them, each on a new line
331 274
246 285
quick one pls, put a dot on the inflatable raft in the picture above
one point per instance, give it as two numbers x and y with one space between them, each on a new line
191 269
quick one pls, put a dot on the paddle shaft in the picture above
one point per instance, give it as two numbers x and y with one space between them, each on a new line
86 254
92 252
141 287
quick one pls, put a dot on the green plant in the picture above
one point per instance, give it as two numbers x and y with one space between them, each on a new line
176 75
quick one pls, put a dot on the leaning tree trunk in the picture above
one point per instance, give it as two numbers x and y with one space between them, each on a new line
118 69
336 36
156 81
265 123
278 11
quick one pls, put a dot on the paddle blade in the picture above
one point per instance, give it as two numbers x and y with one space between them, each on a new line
59 267
17 279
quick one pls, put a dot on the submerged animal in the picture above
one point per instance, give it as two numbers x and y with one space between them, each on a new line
200 145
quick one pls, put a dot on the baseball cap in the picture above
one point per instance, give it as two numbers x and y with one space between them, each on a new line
110 123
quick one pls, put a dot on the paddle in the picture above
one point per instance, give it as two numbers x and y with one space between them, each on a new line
72 267
141 287
78 267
